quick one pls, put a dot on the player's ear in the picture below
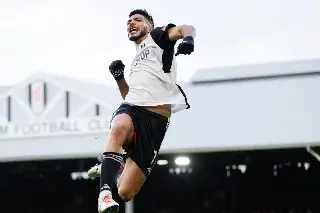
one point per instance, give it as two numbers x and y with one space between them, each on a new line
148 27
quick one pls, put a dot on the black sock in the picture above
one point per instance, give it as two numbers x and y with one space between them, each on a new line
111 162
124 155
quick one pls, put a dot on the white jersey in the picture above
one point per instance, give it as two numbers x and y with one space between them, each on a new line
152 79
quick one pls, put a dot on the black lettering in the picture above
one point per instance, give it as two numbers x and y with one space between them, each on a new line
142 56
146 52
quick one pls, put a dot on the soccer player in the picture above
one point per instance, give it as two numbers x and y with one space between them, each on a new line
150 97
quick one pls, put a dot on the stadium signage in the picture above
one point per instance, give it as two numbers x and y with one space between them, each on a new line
53 128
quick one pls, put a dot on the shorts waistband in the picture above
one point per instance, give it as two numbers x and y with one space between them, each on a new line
147 112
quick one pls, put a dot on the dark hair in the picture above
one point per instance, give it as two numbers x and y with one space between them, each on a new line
144 13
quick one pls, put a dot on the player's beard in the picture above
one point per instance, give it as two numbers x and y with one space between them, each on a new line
137 37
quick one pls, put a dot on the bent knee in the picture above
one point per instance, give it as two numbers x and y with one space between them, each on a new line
119 130
126 194
121 127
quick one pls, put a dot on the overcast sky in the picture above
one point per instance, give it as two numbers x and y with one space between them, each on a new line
80 38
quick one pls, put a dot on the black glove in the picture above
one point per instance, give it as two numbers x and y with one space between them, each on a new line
117 69
186 47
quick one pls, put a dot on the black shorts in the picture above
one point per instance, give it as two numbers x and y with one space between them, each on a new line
149 131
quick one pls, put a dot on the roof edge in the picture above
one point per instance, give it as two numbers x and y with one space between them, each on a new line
256 70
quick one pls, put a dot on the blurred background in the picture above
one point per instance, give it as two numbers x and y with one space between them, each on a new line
249 143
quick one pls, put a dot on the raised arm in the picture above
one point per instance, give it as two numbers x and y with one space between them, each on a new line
181 31
123 87
167 36
116 68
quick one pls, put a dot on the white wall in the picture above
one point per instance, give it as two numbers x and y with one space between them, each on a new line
250 114
227 114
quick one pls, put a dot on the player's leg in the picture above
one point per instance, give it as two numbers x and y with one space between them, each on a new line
131 180
95 171
149 134
121 130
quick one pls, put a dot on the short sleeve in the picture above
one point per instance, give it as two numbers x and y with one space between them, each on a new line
161 37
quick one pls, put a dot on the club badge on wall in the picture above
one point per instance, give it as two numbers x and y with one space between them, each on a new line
37 96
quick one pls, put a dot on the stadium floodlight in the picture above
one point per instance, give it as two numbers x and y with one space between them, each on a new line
242 168
74 176
306 166
182 161
162 162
